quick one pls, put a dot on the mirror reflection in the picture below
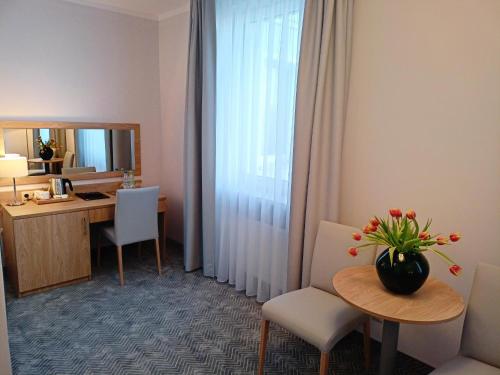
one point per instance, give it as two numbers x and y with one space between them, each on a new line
71 151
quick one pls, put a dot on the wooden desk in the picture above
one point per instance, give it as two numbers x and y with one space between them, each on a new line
48 163
47 246
434 303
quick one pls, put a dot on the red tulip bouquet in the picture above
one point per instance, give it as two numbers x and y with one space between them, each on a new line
403 237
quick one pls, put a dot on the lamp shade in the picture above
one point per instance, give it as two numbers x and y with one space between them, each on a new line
13 166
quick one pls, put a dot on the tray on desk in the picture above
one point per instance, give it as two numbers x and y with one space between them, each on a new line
53 200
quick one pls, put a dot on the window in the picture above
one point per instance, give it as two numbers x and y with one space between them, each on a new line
258 46
92 149
257 60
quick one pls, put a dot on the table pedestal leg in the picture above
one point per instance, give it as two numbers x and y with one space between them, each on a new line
390 332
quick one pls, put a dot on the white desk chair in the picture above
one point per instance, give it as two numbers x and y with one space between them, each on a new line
136 220
68 160
316 313
480 347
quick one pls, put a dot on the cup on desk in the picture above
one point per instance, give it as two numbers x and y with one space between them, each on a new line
57 186
128 180
41 194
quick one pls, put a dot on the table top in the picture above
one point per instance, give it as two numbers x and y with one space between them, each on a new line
31 209
40 160
435 302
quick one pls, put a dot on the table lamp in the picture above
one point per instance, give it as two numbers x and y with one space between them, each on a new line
13 166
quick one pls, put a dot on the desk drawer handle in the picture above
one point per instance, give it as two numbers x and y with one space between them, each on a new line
84 220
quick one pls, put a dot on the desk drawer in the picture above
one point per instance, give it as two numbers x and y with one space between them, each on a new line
97 215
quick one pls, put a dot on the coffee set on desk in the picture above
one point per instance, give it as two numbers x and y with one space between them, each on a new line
56 193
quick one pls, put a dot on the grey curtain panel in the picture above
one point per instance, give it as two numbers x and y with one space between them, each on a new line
323 81
199 141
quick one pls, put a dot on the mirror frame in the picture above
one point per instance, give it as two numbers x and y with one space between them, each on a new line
19 124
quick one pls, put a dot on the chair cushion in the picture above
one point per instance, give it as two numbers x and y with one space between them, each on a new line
461 365
316 316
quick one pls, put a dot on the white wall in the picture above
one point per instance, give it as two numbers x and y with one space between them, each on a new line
65 61
174 34
423 131
15 141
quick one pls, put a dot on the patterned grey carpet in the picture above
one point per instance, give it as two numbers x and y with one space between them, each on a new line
181 323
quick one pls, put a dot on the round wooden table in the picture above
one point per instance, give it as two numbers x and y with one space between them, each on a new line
434 303
47 164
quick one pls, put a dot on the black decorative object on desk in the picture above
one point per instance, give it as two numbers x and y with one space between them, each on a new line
46 153
46 148
93 195
402 267
407 273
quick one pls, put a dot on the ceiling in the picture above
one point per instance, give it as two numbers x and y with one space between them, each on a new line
151 9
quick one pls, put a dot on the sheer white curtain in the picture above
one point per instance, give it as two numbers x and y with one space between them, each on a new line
258 45
92 149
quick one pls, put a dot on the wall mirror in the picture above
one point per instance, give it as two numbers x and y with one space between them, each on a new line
74 150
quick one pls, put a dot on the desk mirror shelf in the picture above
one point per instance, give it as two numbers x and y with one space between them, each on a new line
82 150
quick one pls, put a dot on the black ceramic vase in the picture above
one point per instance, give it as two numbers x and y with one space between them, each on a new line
46 153
407 273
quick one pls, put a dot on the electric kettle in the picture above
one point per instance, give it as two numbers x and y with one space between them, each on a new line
57 186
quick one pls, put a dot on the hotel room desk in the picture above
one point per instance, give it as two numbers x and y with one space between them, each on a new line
47 246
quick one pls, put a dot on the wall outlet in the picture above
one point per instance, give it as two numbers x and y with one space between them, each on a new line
27 196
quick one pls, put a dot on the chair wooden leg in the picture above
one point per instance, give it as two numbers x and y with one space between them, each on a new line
366 341
264 333
323 364
99 250
120 264
158 259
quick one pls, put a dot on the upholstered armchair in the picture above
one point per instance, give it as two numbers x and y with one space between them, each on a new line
480 347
